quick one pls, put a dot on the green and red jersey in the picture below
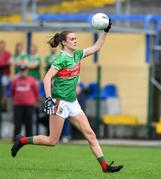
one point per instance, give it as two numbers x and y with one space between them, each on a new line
65 81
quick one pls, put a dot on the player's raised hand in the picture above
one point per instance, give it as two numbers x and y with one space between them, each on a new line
109 26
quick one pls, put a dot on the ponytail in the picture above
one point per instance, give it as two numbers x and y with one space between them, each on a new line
58 38
55 40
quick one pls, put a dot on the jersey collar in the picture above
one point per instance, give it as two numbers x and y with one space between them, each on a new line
67 53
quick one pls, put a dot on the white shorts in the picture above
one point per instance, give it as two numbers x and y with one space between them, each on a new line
66 109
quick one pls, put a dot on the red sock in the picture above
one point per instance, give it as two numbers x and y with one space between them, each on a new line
26 140
104 165
102 162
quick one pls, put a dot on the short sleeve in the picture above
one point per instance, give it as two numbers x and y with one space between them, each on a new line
57 63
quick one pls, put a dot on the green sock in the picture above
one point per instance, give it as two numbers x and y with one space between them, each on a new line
30 140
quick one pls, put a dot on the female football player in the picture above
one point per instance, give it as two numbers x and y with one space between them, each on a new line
61 101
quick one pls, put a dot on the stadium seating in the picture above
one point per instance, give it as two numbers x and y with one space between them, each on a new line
119 120
158 127
92 90
113 117
110 90
73 6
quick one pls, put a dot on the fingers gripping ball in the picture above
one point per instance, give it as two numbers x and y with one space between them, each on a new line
100 21
49 106
108 27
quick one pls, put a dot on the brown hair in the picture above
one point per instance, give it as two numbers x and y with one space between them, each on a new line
58 38
17 48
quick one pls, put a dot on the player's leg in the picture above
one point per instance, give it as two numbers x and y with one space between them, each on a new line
55 125
80 121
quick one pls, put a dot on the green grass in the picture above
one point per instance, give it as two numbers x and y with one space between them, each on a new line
77 162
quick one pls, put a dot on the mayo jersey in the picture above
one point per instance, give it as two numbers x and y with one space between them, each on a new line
65 81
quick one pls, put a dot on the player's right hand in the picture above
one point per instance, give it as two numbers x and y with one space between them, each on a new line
109 26
49 106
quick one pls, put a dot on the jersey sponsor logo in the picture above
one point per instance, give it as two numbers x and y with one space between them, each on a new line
69 72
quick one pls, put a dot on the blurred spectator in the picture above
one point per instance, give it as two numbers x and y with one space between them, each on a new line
4 59
1 97
0 106
20 57
4 73
49 59
24 91
34 63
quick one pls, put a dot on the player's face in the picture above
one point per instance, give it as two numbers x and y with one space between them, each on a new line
71 41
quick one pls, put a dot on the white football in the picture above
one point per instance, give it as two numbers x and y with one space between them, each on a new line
100 21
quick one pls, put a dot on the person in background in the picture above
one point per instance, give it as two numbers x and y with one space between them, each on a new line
34 63
19 58
4 77
24 92
5 59
61 99
49 59
3 98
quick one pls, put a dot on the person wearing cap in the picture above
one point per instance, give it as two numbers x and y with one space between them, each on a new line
24 93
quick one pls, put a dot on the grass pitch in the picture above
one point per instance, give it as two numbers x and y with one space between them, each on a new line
77 162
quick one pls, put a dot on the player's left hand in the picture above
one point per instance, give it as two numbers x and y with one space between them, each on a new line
109 26
49 106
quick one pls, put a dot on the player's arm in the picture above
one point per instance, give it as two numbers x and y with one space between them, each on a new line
97 46
47 80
